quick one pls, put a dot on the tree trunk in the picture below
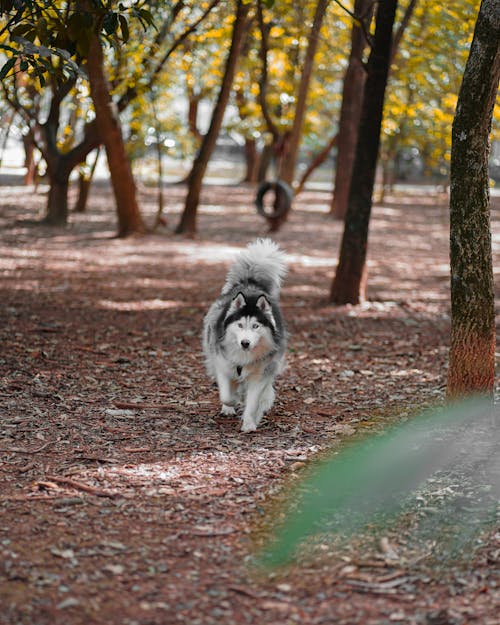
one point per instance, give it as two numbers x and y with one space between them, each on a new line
251 161
57 202
350 114
5 137
29 160
265 161
59 168
187 224
159 220
349 284
108 124
194 101
472 342
84 183
287 170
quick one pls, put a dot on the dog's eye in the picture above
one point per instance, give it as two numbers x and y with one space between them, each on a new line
255 326
240 325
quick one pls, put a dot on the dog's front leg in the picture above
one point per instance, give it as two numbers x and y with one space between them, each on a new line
227 397
259 399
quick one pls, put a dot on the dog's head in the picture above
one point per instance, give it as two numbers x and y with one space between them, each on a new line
250 326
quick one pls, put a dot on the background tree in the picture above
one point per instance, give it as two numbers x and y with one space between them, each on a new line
187 223
349 283
424 82
472 343
45 114
289 160
291 40
71 33
110 133
352 98
56 41
350 112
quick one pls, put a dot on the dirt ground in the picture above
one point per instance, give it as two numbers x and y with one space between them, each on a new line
125 498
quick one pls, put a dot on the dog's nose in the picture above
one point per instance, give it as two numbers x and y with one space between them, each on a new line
245 344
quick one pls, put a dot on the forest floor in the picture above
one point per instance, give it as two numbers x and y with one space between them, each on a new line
125 498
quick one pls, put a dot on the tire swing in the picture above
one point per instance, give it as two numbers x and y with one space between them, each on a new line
281 205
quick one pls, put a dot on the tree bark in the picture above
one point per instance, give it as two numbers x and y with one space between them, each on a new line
108 124
84 184
349 284
187 223
194 102
57 201
265 160
350 115
29 160
472 341
252 160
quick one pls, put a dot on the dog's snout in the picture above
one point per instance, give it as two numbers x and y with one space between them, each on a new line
245 343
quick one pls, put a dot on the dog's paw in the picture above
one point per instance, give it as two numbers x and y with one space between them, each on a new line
248 426
227 411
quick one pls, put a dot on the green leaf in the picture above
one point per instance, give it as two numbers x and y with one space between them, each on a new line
23 28
8 48
110 23
124 27
31 48
147 16
7 67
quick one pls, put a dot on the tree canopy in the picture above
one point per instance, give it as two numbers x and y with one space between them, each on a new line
175 53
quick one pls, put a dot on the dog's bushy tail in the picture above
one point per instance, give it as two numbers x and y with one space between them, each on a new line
262 262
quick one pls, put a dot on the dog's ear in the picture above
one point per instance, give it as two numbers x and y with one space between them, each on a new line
238 302
263 304
266 308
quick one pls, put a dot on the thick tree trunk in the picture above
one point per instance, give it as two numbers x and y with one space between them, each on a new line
349 284
59 168
472 342
187 223
57 202
350 115
108 124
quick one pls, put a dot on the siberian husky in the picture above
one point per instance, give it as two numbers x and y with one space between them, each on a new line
244 335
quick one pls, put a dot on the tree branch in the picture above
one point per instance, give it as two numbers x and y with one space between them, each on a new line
318 159
363 20
402 27
132 92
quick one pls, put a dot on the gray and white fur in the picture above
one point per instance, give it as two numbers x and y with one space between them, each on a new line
244 335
